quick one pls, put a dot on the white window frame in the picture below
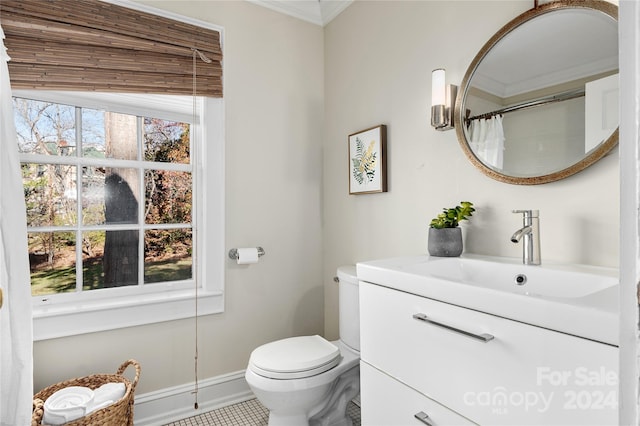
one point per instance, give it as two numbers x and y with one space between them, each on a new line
123 307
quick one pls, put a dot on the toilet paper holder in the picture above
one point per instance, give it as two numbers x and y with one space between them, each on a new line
233 253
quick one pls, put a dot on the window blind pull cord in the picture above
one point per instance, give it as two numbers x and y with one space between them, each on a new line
192 134
204 58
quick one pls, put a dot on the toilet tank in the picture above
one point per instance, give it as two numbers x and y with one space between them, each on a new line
349 303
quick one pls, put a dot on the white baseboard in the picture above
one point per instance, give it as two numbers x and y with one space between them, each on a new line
171 404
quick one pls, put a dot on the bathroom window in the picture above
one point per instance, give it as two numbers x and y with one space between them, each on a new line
114 196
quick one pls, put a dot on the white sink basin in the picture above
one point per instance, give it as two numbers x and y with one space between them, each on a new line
574 299
504 275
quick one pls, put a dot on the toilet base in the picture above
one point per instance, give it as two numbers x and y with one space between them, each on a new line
334 413
331 413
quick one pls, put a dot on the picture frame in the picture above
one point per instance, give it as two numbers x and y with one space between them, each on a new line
367 160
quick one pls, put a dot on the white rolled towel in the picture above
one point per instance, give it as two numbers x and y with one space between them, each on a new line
105 395
67 404
73 402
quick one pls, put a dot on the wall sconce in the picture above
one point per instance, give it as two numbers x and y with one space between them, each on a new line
443 97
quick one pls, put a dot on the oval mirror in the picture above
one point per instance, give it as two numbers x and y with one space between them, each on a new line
540 100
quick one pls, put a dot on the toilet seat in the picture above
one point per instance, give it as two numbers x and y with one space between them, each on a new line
294 358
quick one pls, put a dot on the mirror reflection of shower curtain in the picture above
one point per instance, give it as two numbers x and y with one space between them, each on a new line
16 359
487 140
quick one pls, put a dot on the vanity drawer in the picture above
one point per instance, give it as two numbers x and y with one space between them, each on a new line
386 401
524 375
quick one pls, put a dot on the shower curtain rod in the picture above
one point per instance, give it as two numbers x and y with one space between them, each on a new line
564 96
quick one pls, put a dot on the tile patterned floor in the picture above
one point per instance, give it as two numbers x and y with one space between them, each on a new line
248 413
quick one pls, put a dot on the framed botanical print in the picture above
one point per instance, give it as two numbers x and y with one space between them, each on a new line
367 162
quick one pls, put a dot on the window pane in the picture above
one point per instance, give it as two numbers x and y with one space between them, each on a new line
50 194
109 259
52 259
104 191
93 133
167 196
166 141
121 196
93 179
120 136
167 255
92 254
44 127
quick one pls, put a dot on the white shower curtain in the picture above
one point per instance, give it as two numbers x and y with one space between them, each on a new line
487 140
16 330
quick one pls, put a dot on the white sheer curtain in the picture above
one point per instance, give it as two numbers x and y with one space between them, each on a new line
16 358
487 140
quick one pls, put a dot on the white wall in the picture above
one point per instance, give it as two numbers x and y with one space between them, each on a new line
274 91
378 62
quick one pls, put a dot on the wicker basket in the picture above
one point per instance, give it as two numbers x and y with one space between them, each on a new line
119 413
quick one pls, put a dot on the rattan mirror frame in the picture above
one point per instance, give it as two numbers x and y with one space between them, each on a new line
595 155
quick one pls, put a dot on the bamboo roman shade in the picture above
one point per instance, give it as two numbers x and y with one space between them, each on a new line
91 45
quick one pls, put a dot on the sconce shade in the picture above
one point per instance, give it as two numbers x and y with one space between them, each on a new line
438 96
442 99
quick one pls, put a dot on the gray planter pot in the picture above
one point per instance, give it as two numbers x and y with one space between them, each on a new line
445 242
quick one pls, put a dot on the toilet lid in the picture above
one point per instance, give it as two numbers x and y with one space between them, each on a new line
295 357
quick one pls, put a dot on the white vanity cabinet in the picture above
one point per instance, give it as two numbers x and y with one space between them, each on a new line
461 366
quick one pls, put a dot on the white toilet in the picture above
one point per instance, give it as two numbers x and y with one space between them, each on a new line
308 380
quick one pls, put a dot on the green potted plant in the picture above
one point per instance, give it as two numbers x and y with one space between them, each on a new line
445 236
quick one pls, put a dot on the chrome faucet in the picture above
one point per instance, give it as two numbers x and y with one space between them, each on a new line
530 234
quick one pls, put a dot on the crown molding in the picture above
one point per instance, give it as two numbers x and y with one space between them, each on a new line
318 12
329 9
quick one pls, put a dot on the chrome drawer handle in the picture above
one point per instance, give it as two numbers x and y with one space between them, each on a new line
484 337
424 418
